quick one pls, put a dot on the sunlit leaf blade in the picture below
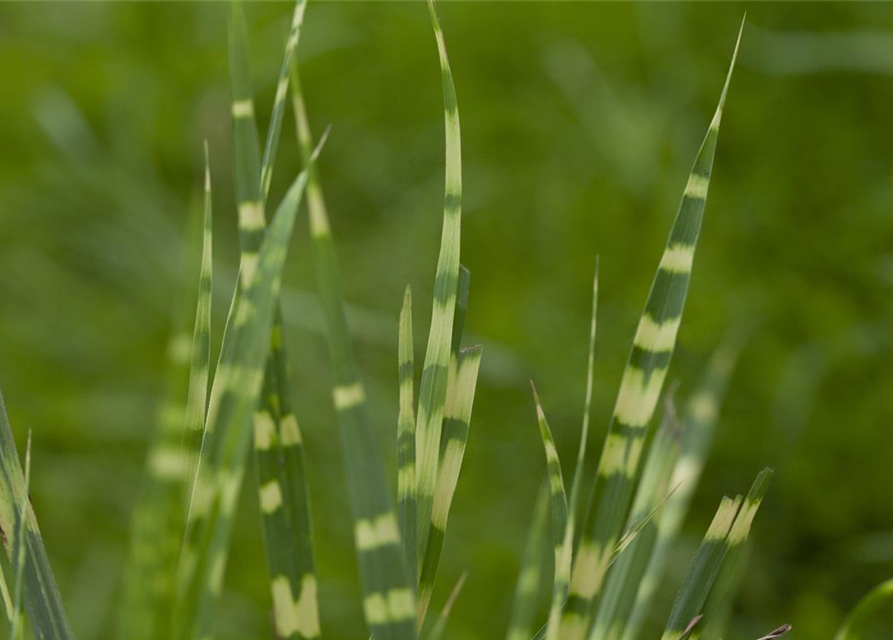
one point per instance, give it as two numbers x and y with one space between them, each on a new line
716 561
702 572
199 371
563 563
854 626
777 633
389 602
278 445
558 498
728 576
627 571
234 396
406 498
528 585
435 374
698 425
640 389
41 596
275 128
457 418
19 552
439 626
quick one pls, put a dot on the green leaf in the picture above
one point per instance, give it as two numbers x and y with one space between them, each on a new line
406 497
698 425
435 374
563 564
457 418
17 519
628 570
389 602
528 586
640 389
234 396
19 552
853 627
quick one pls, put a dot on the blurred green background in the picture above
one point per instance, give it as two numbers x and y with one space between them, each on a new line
579 125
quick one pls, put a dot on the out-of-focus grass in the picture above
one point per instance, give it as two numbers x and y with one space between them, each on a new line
579 123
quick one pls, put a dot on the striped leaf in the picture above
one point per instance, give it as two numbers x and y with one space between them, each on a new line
389 602
406 498
278 445
558 498
640 389
729 574
41 596
853 628
19 551
159 516
528 586
706 584
702 572
563 564
698 425
234 396
435 374
439 626
457 417
627 572
199 371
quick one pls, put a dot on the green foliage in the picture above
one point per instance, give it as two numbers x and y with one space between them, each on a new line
604 573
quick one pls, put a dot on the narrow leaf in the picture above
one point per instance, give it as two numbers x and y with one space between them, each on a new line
528 585
440 624
640 389
435 374
406 496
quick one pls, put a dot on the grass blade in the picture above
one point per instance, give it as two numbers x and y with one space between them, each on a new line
702 572
440 624
41 596
234 397
406 498
729 574
563 565
640 390
389 604
278 445
457 418
853 628
558 502
528 586
19 551
698 425
715 564
435 374
627 572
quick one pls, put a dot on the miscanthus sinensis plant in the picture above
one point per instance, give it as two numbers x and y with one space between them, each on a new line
610 545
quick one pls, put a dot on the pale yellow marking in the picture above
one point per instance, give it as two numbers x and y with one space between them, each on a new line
376 533
697 186
347 396
215 576
703 407
678 258
406 480
589 570
251 215
613 455
281 89
270 497
401 603
264 431
243 108
637 399
375 609
301 616
248 268
291 434
655 337
168 463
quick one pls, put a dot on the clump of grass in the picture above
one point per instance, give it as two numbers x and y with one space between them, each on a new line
605 571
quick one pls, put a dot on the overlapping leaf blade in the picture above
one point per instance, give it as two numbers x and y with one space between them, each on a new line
640 390
528 585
